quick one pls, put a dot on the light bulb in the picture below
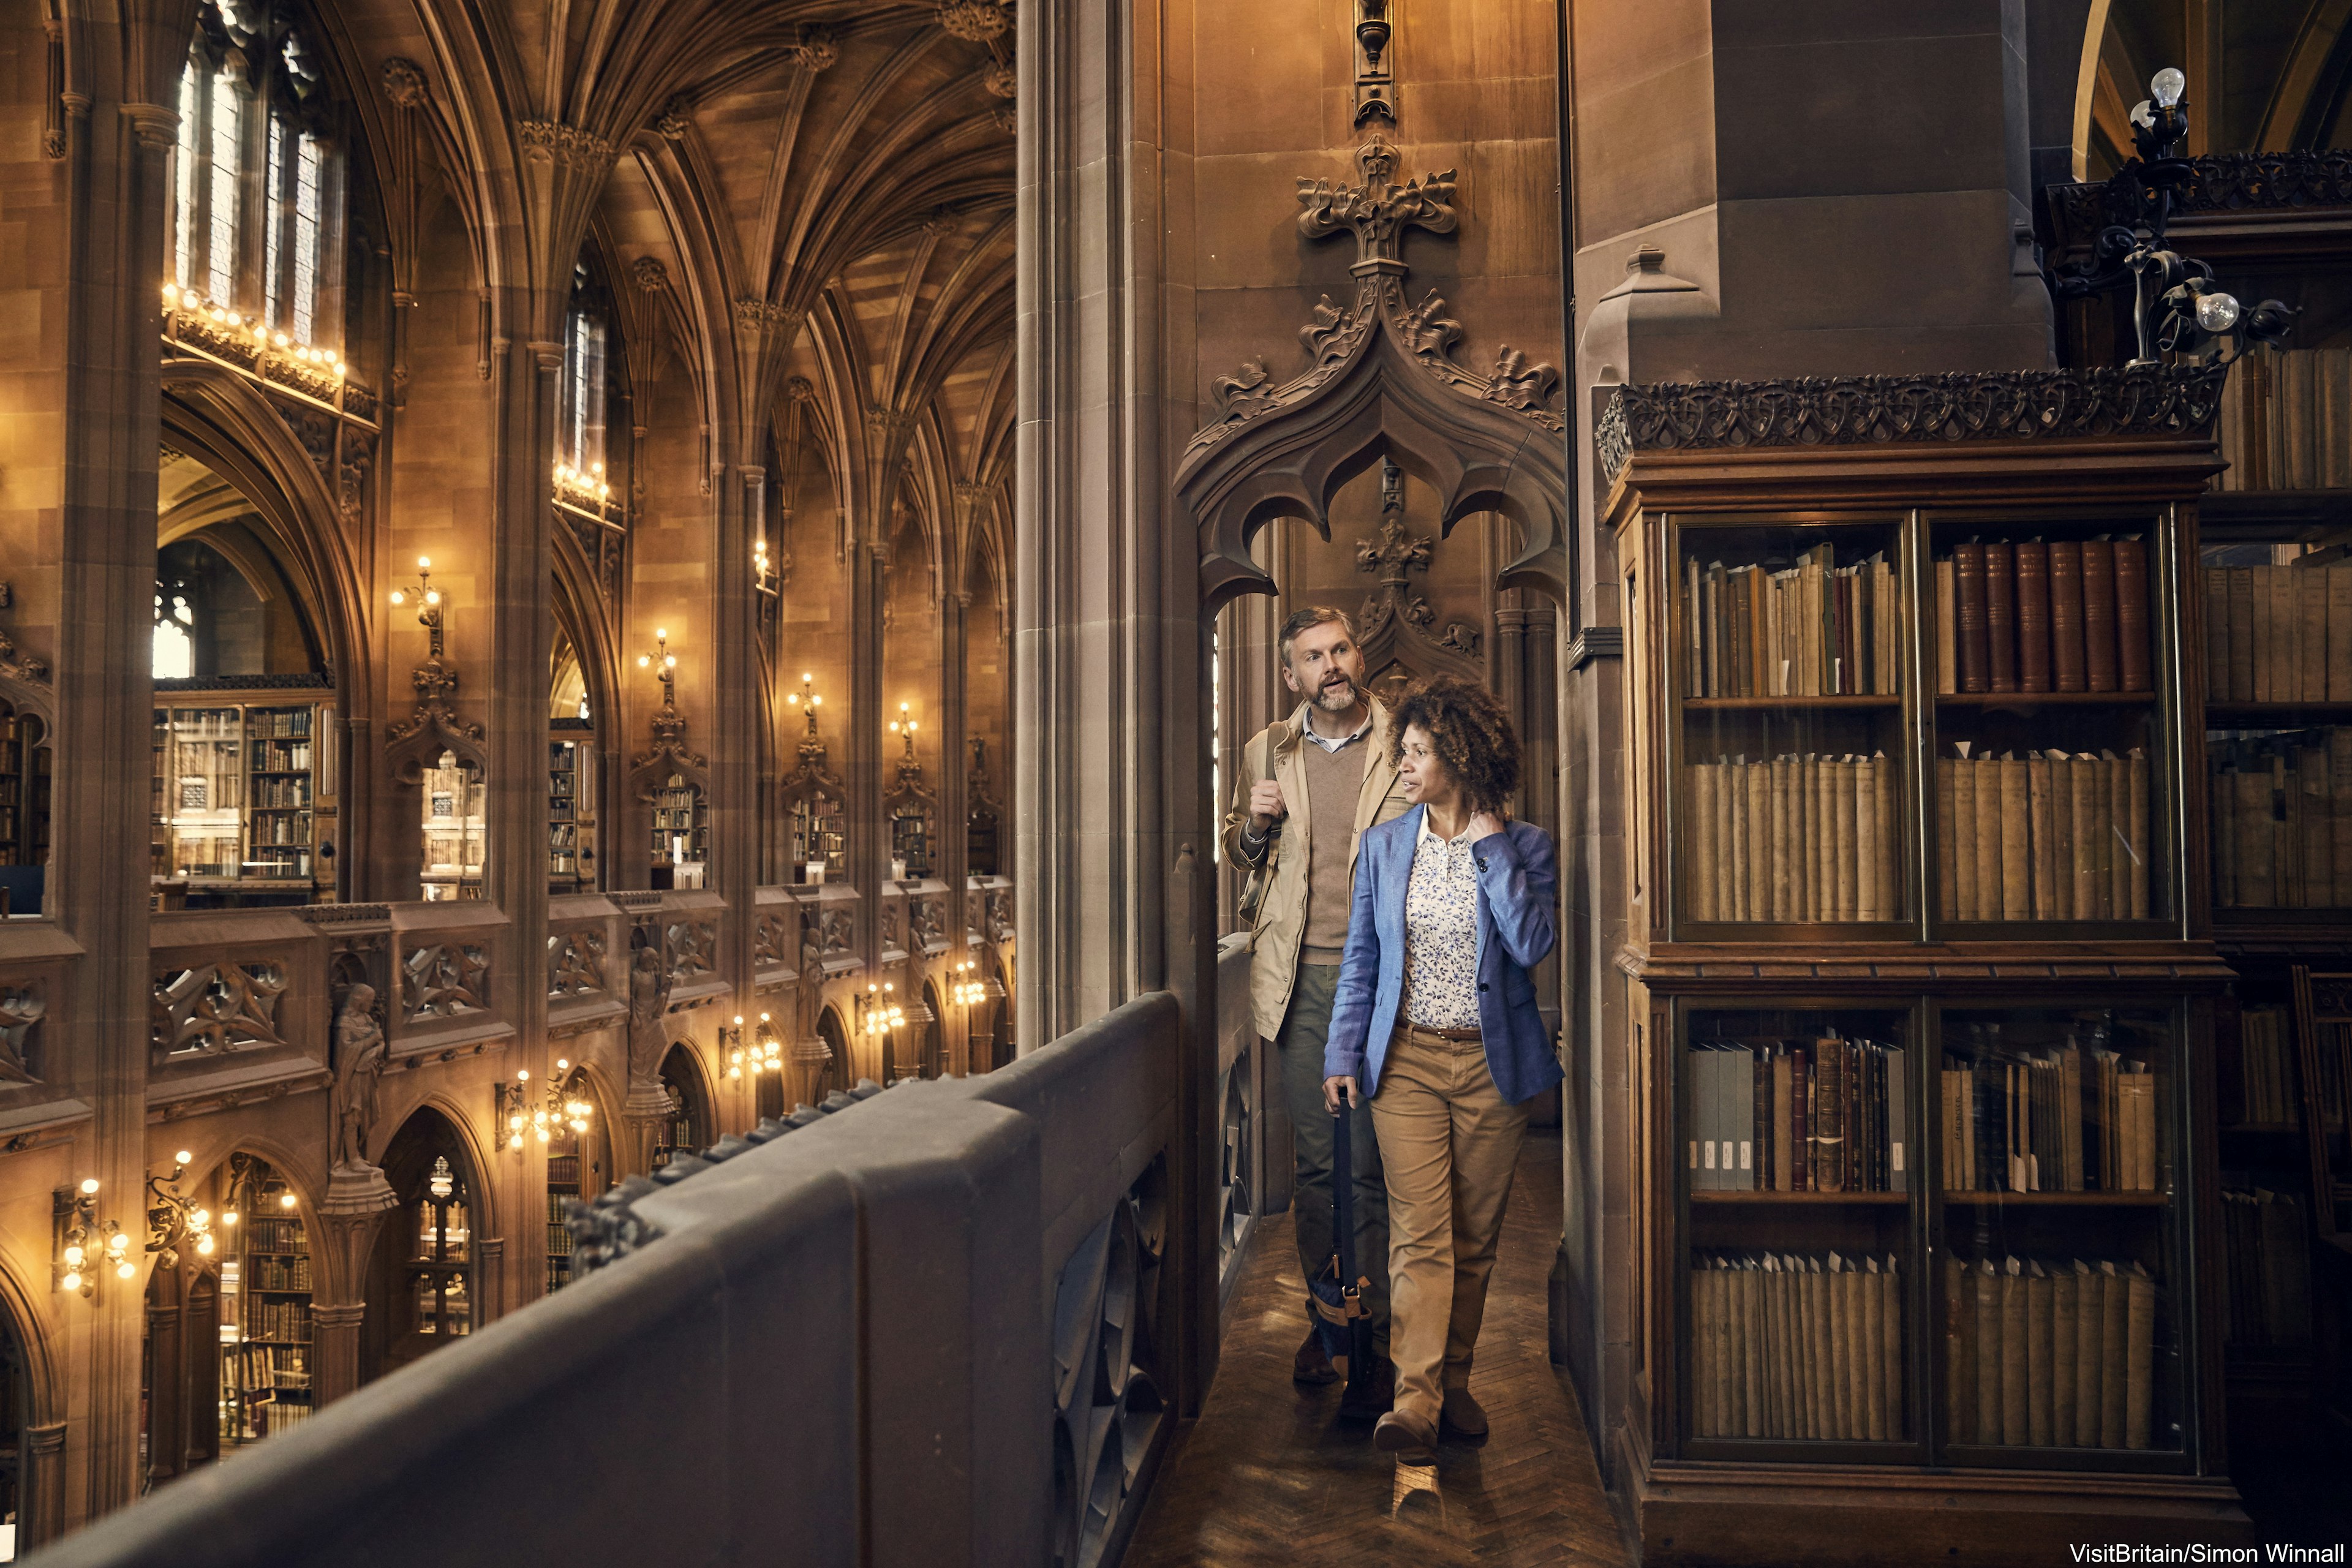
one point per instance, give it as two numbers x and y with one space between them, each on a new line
74 1255
515 1121
2167 86
735 1072
117 1241
517 1142
285 1200
2143 116
127 1270
564 1064
90 1188
183 1157
670 661
72 1281
661 634
523 1075
432 596
205 1247
399 597
543 1134
201 1219
2217 312
645 661
228 1217
281 340
425 564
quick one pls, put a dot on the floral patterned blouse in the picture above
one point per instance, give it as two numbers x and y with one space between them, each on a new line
1441 934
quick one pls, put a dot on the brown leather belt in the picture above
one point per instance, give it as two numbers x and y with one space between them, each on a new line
1450 1036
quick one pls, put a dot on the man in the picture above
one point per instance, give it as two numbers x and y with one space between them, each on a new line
1309 787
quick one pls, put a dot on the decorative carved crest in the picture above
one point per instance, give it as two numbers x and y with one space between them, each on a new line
650 275
568 146
816 51
436 688
975 21
21 1010
214 1008
1379 211
1395 619
403 82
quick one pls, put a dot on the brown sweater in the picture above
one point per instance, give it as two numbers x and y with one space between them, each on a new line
1333 783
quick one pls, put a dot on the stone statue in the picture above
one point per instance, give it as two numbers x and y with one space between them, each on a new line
360 1052
648 1000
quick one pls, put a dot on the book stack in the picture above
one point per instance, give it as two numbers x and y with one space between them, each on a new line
2051 1353
2278 634
2046 836
1814 629
2282 819
2065 1119
1789 1346
2282 420
2269 1246
2035 616
2266 1077
1825 1115
1794 838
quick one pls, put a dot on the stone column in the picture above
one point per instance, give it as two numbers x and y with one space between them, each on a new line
358 1198
41 1505
954 856
1112 819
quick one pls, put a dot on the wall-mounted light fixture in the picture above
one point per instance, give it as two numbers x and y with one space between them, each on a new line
173 1219
555 1109
967 990
82 1245
664 663
878 1011
905 726
763 1053
427 600
806 700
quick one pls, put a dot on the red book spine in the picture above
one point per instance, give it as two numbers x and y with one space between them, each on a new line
2033 616
2099 614
2066 670
1969 618
2131 615
2000 615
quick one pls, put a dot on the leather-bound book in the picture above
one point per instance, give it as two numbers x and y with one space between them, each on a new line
1842 792
2339 633
2044 900
1700 861
1984 1316
1865 840
2216 610
2065 1295
2067 670
2115 790
1759 840
2133 652
2016 842
1969 618
2062 834
2136 831
2090 1350
2033 616
2339 793
2139 1356
1760 1063
1742 627
2311 633
2244 634
2087 829
2286 811
1948 658
1890 1285
1890 834
2115 1355
1694 636
2000 615
2282 633
1989 891
2014 1429
1872 1339
2222 792
1799 1122
1830 1101
1762 596
1960 830
2257 875
2315 826
2099 665
1959 1352
2039 1312
1785 1164
1818 870
1710 598
1886 625
1750 1284
1776 837
1947 882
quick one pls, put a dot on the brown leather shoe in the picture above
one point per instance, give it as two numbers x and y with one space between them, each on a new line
1312 1364
1402 1432
1460 1415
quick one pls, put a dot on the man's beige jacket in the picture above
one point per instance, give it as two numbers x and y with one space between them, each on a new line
1273 753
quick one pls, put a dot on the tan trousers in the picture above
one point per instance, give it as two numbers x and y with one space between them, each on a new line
1449 1143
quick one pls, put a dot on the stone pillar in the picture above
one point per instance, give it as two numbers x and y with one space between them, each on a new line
41 1505
118 130
953 860
358 1197
1112 822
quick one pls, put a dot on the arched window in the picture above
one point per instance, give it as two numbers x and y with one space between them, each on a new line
834 1073
689 1125
935 1042
580 396
420 1285
25 770
264 1315
256 195
572 772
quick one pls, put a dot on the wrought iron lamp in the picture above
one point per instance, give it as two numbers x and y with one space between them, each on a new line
967 990
84 1246
764 1053
2176 306
878 1011
905 726
173 1219
427 599
556 1108
805 699
664 663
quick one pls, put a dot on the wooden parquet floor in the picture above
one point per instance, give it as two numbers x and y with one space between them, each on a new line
1270 1474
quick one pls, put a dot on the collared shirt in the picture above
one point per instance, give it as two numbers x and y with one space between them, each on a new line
1441 932
1254 841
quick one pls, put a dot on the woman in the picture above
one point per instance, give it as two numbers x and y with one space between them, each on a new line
1435 1019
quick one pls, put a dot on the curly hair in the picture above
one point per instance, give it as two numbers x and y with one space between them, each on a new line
1468 730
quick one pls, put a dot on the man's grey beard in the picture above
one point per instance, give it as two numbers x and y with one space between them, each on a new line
1337 698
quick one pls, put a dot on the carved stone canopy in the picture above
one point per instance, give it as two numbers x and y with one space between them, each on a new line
1381 381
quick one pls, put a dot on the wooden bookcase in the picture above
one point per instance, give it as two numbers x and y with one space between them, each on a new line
571 806
243 800
1994 1010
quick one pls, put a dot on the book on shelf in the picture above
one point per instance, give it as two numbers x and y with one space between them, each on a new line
2267 1240
2049 1353
2281 807
2069 1118
1797 1346
1795 839
2279 633
2267 1078
1823 1114
1810 629
2282 420
2046 836
2043 616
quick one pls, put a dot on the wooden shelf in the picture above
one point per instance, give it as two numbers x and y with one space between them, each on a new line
2045 699
2057 1200
1800 1199
2274 715
1792 704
